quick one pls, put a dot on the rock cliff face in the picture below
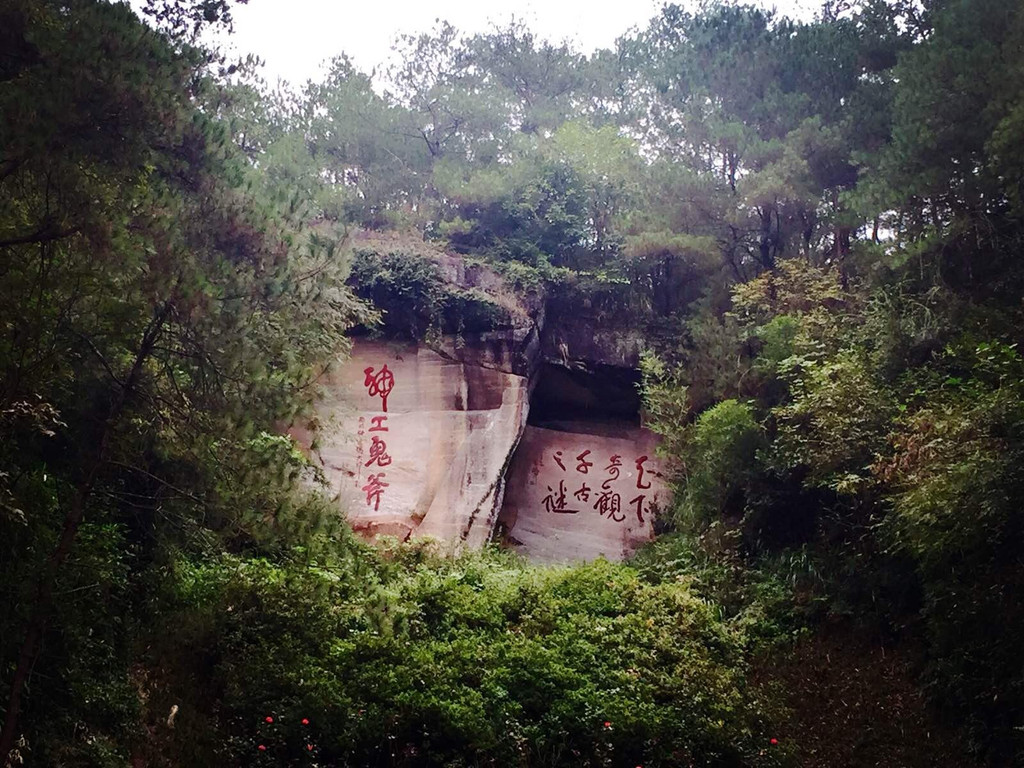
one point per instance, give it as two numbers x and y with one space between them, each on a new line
494 429
575 495
418 444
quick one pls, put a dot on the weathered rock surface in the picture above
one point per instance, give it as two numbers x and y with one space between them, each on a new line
431 460
421 439
574 495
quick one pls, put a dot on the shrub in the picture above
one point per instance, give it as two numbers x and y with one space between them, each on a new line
957 484
720 462
478 660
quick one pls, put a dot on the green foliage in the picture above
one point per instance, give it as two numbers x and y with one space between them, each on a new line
816 226
466 661
161 319
534 210
769 602
890 464
835 423
417 301
720 461
666 406
778 343
793 289
956 480
525 279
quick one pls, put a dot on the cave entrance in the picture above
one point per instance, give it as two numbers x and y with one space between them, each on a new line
603 401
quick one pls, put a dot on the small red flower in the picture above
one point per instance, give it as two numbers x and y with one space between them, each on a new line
309 747
305 721
261 748
269 719
607 724
773 741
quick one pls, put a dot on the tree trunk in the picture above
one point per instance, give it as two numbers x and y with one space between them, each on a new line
765 245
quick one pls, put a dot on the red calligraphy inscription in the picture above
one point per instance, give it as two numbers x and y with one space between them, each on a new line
583 465
558 460
374 488
640 473
639 501
610 504
607 502
380 383
613 471
555 500
378 453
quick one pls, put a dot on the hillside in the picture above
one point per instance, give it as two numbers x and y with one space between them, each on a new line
511 404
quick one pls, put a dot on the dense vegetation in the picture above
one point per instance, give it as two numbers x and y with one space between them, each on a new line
817 226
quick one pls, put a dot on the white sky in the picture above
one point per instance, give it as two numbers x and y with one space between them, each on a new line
294 37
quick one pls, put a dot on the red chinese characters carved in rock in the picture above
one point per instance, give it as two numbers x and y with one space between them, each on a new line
610 503
378 453
639 501
583 464
380 383
606 498
555 500
374 489
640 474
613 471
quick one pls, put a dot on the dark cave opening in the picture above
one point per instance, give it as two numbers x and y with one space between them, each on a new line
601 400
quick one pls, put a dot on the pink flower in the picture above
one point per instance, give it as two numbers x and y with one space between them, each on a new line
309 747
269 719
607 724
773 741
305 721
261 748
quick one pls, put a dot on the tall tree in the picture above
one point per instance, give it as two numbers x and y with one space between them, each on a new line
155 314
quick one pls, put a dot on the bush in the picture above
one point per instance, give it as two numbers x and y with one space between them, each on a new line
415 298
836 421
957 483
721 461
479 660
